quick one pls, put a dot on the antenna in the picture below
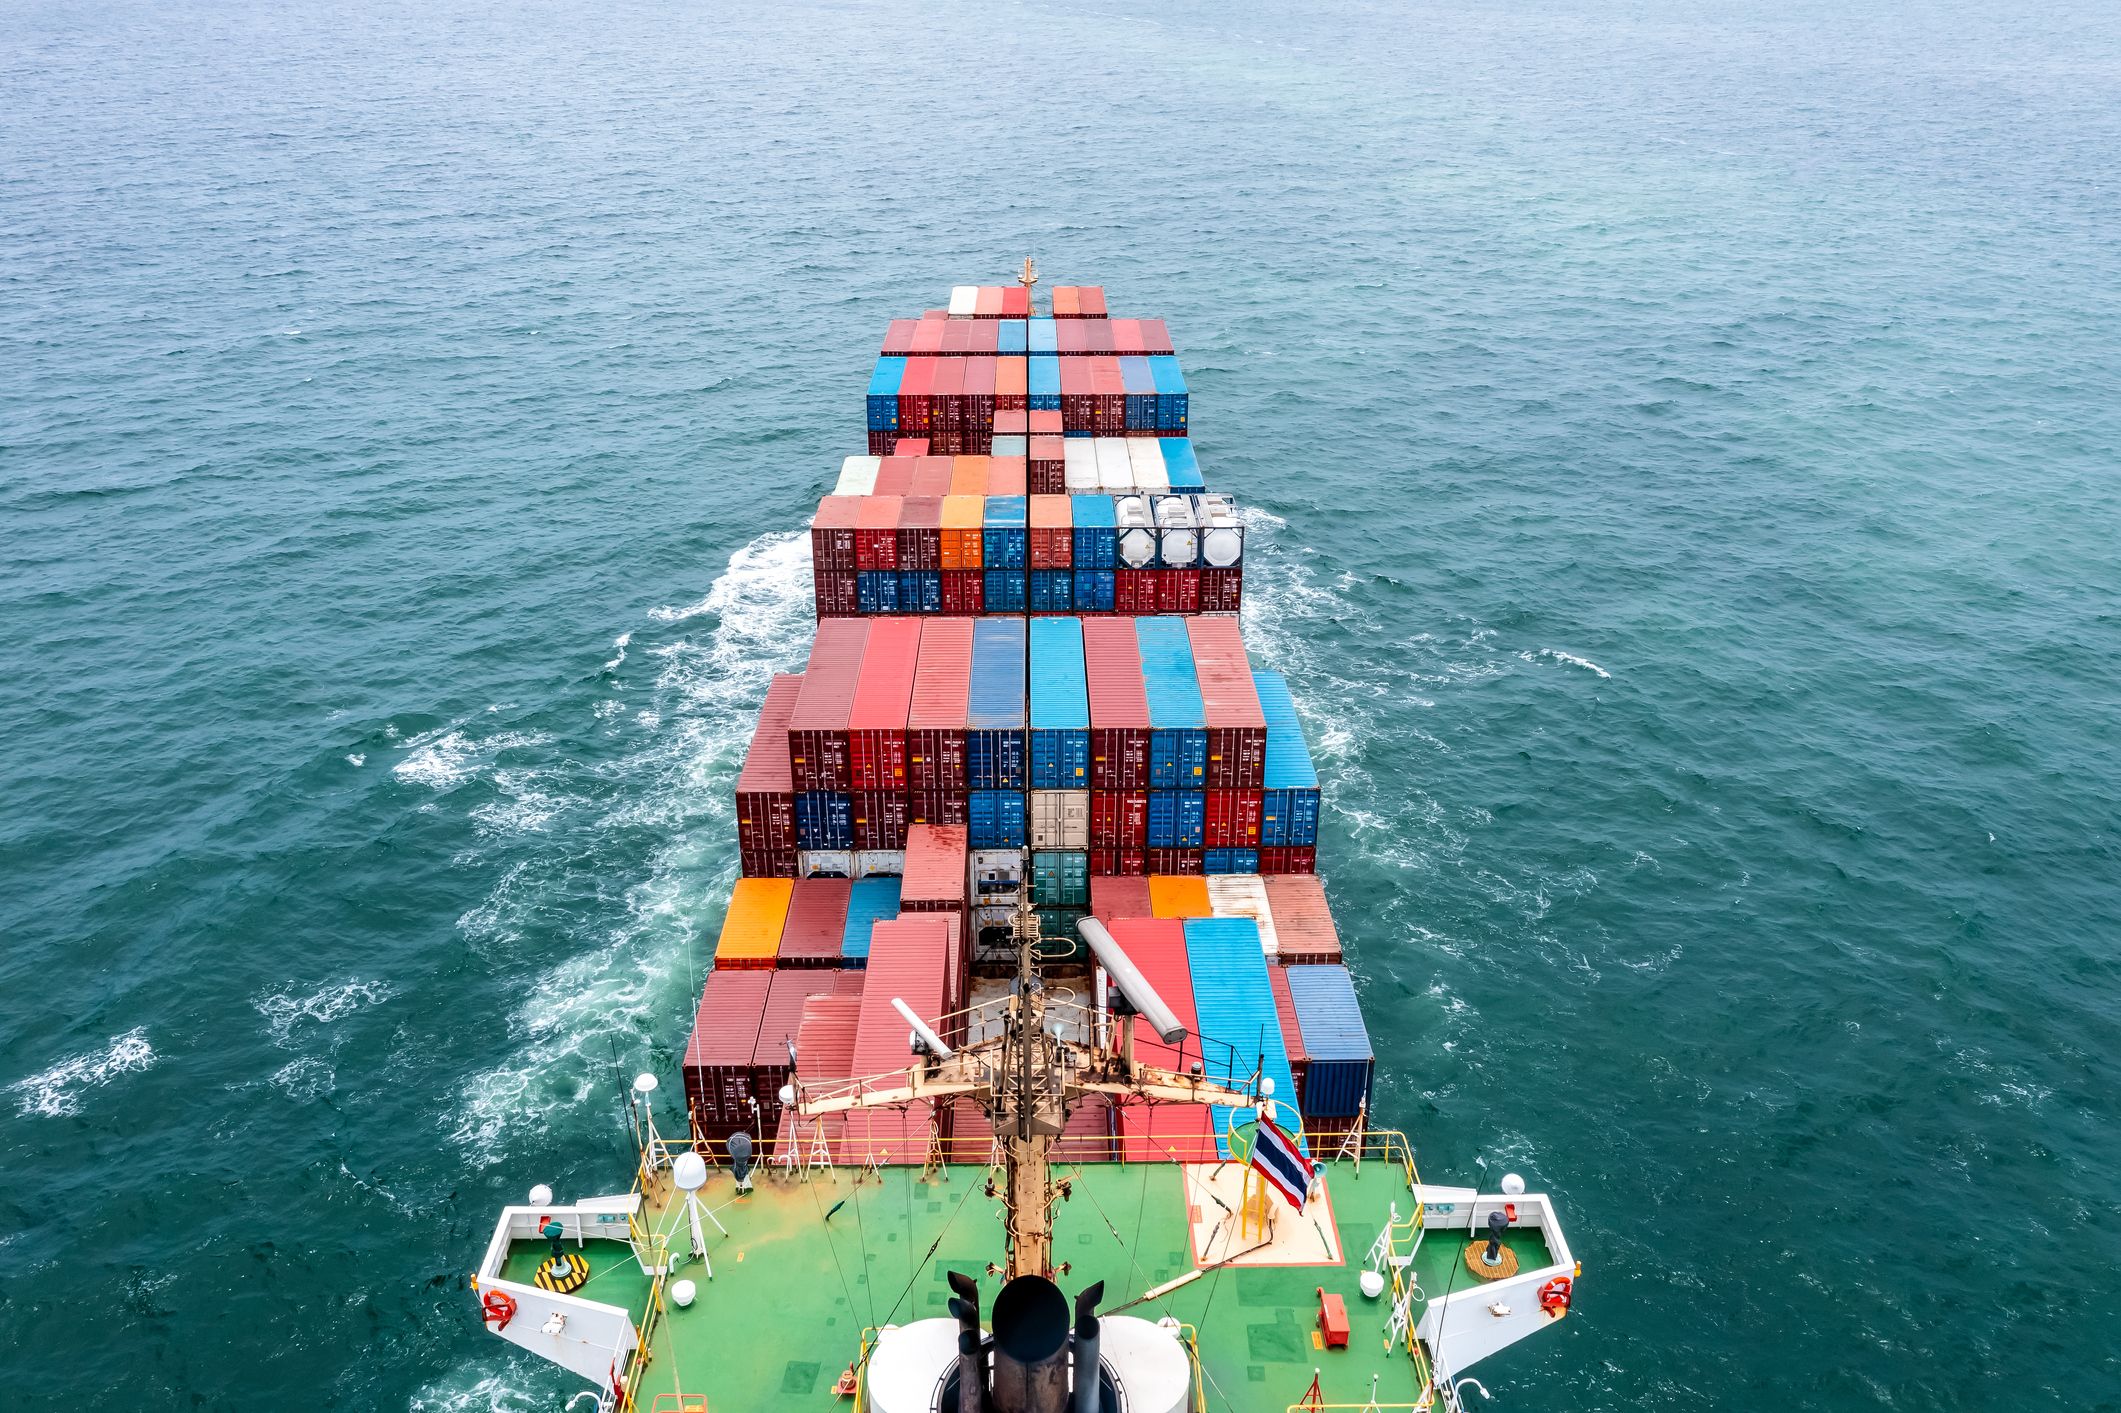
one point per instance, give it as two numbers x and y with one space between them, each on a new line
928 1038
1131 983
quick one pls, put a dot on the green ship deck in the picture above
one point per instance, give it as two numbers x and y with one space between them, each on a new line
810 1265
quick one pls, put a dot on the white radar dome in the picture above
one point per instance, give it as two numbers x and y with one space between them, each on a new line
541 1196
689 1172
1512 1185
684 1293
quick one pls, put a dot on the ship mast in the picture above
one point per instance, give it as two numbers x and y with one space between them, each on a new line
1029 1112
1029 277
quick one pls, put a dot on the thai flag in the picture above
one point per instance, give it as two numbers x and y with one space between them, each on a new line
1282 1163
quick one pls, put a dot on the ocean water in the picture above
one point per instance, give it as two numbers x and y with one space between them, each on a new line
1684 444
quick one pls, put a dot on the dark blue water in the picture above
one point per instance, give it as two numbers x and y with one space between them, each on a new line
1684 438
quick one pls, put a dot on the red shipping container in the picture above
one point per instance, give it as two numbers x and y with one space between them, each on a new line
920 531
1064 305
931 477
879 819
928 335
1237 728
898 338
910 959
1134 591
1303 923
1155 338
964 591
947 398
876 718
937 807
1070 341
1099 339
1233 815
1048 463
1222 590
1016 301
957 338
1292 1032
1289 859
717 1065
765 787
1186 863
1125 337
779 1029
895 476
876 532
817 923
1163 1132
1078 413
817 728
936 862
1011 379
838 594
1052 532
1046 423
1177 590
935 717
1119 705
824 1041
986 338
1113 863
909 446
1108 397
1119 897
1005 476
915 401
1010 423
989 303
980 379
1090 301
1119 819
832 533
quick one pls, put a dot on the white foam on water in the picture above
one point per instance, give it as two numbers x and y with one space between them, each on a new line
357 760
492 1393
446 757
620 643
305 1080
285 1013
57 1092
1557 655
526 809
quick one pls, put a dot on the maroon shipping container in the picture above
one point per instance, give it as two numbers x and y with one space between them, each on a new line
964 591
986 338
881 443
979 391
914 396
957 339
937 807
1011 422
817 728
1108 397
910 959
1089 301
1119 819
1077 414
947 400
931 477
1222 590
1184 862
927 335
832 533
876 718
1156 338
898 338
1099 339
920 531
879 819
1289 859
907 446
816 925
936 859
876 532
1237 728
935 717
1114 863
1069 340
765 787
717 1063
1119 705
1119 897
767 863
1292 1032
1046 423
1233 815
1177 590
1134 592
1052 532
1048 464
1303 924
839 594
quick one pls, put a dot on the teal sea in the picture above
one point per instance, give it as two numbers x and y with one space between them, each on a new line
1683 440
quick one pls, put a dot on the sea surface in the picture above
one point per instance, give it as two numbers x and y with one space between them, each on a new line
1683 440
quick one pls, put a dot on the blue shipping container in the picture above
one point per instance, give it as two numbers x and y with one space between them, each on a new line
1007 591
824 819
1234 1003
1178 723
1230 861
1338 1080
1171 398
1042 384
920 591
1096 520
994 709
1139 385
1044 337
1052 590
1181 465
995 819
1096 590
1060 705
1007 541
869 900
1178 819
883 394
1288 817
1011 339
876 591
1291 807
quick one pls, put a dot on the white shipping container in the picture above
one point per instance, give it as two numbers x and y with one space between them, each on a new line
1137 533
1245 895
964 301
1115 471
1079 467
996 876
824 863
858 476
873 861
1222 534
1147 457
1177 541
1060 819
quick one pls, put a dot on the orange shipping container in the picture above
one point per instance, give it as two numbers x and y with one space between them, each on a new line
963 517
968 475
751 930
1173 896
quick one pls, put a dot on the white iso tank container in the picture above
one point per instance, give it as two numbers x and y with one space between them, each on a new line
858 476
1178 541
874 861
1222 534
964 301
1146 455
1245 895
1060 819
1115 472
1079 468
1137 531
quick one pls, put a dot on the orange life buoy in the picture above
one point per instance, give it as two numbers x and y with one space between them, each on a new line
1554 1296
498 1307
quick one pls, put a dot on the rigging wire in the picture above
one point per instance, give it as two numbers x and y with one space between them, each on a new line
868 1286
933 1246
823 1221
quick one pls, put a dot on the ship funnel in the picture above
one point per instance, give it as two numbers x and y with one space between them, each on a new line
1089 1371
971 1366
1030 1348
1131 983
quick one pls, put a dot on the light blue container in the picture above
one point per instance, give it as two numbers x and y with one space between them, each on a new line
1178 722
1060 704
1239 1026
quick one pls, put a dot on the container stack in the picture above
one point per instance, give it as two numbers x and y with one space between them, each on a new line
1027 684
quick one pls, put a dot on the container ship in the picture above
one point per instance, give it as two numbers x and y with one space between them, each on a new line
1030 1075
